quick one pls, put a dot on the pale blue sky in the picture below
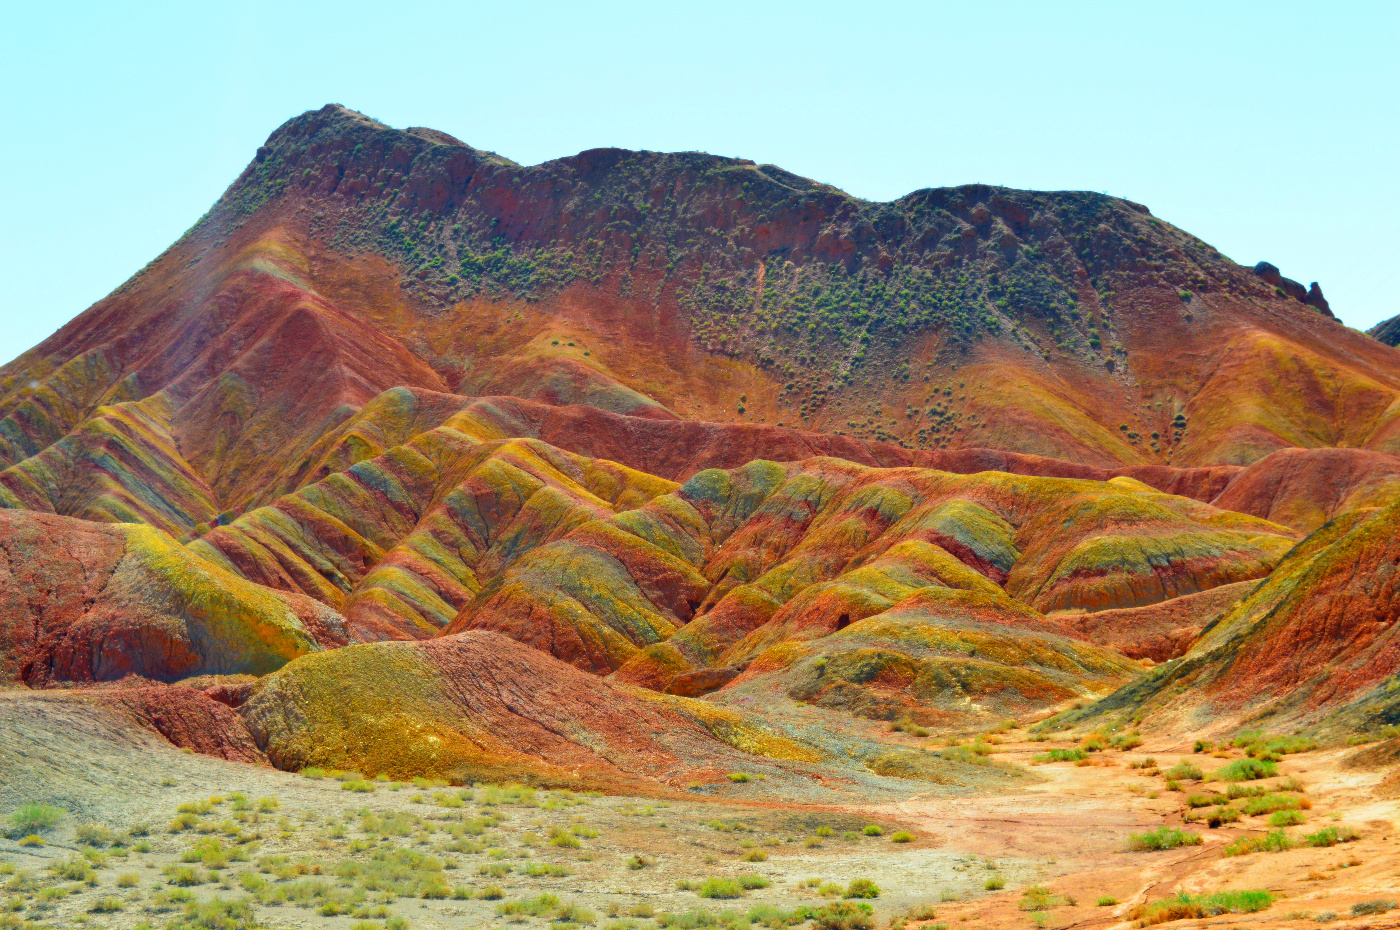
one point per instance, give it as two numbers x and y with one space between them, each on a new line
1268 129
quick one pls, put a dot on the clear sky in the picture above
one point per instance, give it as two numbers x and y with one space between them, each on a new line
1270 130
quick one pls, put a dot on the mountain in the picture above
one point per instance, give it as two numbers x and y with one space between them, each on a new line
1387 332
399 414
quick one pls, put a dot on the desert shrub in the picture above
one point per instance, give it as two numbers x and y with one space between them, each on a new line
1331 836
1222 815
93 834
541 906
638 862
1105 900
74 869
1185 906
1145 763
1369 908
1247 770
873 830
1162 838
216 914
1268 803
1184 771
903 836
34 818
1039 898
995 883
1126 741
1286 818
1061 755
128 880
106 905
358 785
862 888
739 776
1274 841
490 893
755 855
1205 800
720 888
843 915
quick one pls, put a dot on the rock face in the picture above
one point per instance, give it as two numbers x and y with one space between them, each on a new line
83 601
1311 295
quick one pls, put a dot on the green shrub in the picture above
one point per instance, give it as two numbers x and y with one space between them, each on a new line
1162 838
862 888
1186 907
903 836
106 905
1105 900
34 818
739 776
1286 818
843 915
995 883
1247 770
873 830
1331 836
534 907
1061 755
357 784
1274 841
1184 771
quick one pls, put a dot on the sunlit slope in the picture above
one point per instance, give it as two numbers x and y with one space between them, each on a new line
1316 641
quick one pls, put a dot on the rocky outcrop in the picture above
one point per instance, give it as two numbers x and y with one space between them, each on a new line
1311 295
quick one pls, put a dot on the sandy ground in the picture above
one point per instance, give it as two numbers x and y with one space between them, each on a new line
1066 830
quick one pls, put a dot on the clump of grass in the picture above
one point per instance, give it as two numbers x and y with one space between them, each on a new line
1162 838
903 836
739 776
1370 908
1247 770
34 818
1061 755
1186 906
873 830
995 883
1286 818
106 905
313 772
1105 900
638 862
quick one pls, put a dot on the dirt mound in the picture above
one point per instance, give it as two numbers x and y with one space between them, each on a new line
478 706
187 718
